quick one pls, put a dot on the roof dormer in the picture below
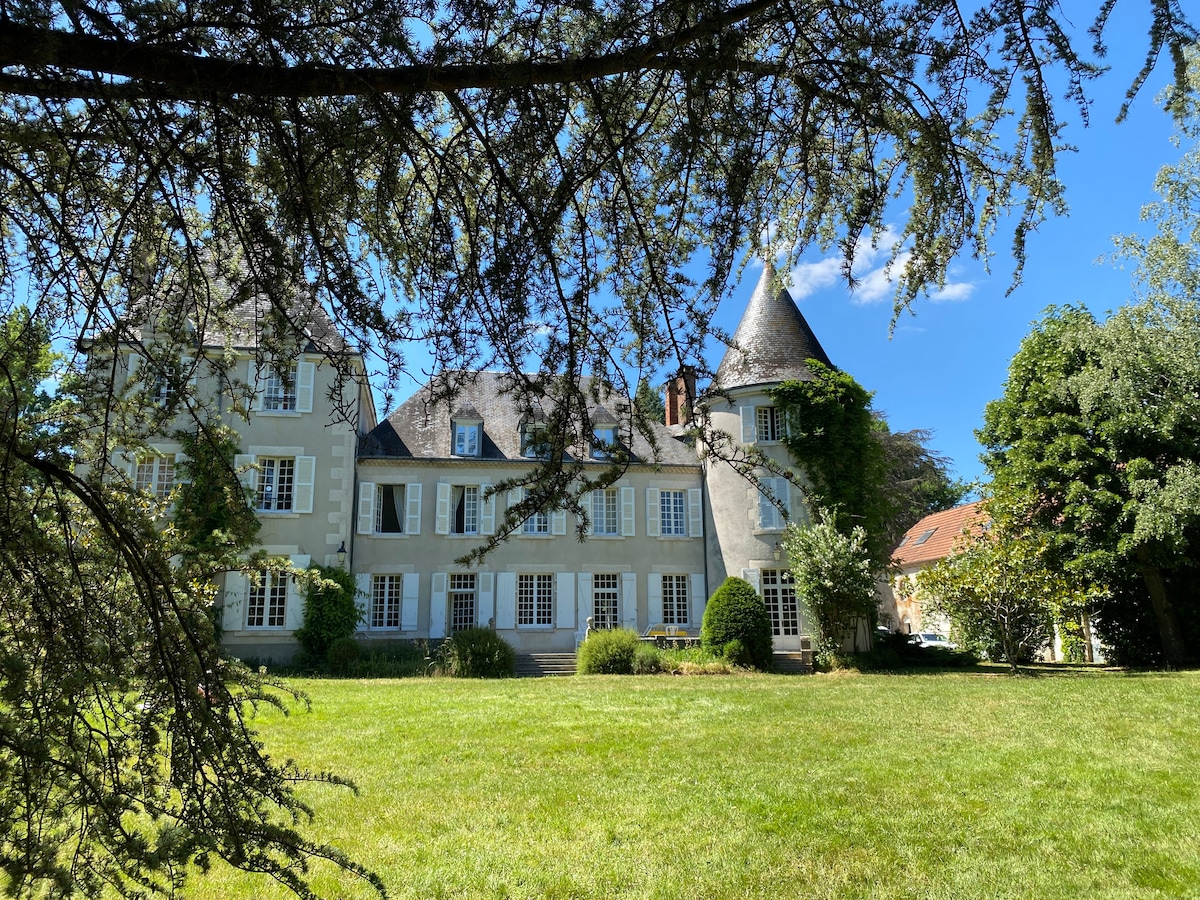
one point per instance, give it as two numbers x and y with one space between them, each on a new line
466 431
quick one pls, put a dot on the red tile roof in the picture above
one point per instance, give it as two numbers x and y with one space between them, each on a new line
936 535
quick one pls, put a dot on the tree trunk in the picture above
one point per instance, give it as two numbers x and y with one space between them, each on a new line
1164 611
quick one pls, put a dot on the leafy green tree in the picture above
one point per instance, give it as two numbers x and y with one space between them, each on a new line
212 521
864 474
832 572
649 401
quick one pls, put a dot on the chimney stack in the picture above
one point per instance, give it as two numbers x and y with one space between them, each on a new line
681 394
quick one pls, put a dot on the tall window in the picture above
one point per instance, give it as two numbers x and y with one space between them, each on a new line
767 427
675 599
155 475
164 391
673 513
467 438
779 594
389 509
386 594
276 483
279 392
268 602
606 595
466 510
462 601
535 597
605 512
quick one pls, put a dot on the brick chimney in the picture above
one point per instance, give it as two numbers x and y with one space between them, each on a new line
681 394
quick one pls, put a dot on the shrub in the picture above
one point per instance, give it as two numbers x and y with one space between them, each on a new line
608 652
330 612
647 660
735 612
735 652
479 653
342 654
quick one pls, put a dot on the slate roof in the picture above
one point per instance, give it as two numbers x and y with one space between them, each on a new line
941 532
420 427
772 342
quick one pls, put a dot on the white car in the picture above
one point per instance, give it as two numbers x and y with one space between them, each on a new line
933 639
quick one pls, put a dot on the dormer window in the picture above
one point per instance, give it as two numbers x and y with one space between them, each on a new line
467 437
604 441
535 442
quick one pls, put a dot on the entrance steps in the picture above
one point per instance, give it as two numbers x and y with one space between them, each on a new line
793 662
537 665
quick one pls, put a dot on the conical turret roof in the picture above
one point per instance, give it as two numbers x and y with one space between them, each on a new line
772 342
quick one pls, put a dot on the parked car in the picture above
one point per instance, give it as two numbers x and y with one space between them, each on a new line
933 639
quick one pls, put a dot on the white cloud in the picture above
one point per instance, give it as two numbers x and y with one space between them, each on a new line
954 291
808 278
877 284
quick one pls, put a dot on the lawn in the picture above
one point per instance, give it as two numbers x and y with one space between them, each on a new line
934 785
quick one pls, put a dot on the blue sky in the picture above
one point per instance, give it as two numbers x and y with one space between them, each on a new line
940 367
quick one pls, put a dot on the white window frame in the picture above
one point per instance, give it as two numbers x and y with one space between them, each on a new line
604 441
606 511
535 600
768 424
535 443
287 392
675 599
606 600
268 490
462 593
769 516
154 473
467 438
672 512
249 466
267 602
387 603
469 501
779 595
371 508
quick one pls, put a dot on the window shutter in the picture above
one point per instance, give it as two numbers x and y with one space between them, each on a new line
653 513
487 511
584 598
487 598
629 601
293 615
437 606
192 370
558 522
442 525
654 601
412 497
766 509
302 495
591 510
306 376
506 601
753 576
408 601
699 598
233 614
366 507
181 462
362 599
628 522
749 424
243 463
565 589
695 513
125 463
256 402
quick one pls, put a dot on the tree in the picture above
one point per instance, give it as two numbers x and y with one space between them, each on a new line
125 749
1095 441
832 572
505 182
649 401
859 470
1000 595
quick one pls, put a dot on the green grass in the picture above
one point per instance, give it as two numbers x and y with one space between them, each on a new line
933 786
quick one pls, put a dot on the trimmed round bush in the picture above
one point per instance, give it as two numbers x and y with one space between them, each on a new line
608 652
479 653
735 612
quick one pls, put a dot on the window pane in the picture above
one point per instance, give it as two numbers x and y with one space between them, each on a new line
605 600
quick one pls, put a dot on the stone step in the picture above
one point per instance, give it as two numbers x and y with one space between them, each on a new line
537 665
795 662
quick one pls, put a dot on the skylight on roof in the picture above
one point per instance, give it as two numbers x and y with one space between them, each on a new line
924 537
